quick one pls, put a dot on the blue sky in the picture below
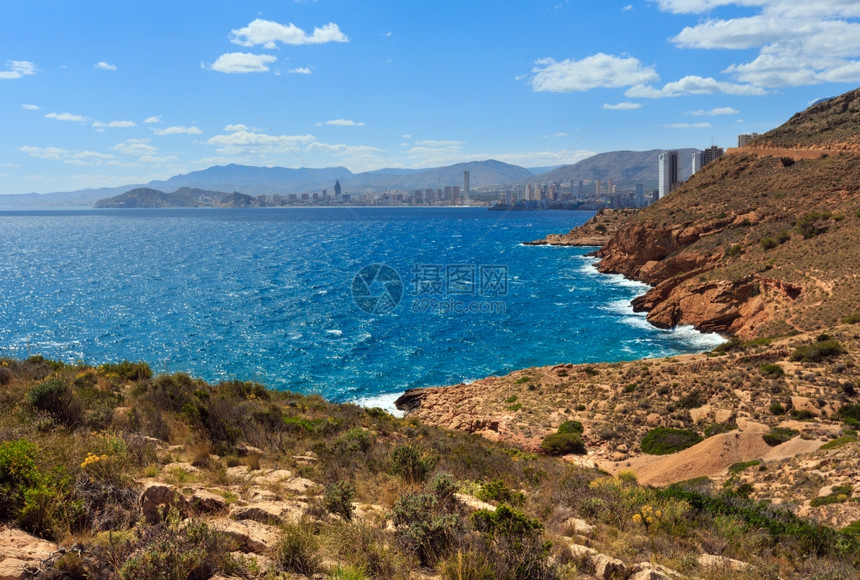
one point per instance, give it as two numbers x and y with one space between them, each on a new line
105 93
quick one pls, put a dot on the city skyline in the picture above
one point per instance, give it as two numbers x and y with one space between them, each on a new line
107 94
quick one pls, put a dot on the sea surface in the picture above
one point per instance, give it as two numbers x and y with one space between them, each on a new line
356 304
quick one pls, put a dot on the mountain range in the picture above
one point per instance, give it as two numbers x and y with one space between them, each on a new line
624 167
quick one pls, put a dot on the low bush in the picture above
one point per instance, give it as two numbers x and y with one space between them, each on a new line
297 550
809 224
817 351
128 371
18 474
742 465
497 491
772 370
733 251
838 494
768 243
407 462
56 398
338 497
664 440
779 435
692 400
776 408
571 427
563 444
852 319
839 442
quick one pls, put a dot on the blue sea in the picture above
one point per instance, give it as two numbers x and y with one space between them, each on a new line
355 304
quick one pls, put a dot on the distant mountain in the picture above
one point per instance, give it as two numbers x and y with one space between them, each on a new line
624 167
481 174
627 167
182 197
80 198
255 180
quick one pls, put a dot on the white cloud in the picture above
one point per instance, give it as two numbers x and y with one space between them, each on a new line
17 69
67 156
341 149
177 130
243 141
559 134
66 117
628 8
622 106
441 143
54 153
242 62
302 70
154 119
135 147
115 124
236 127
687 125
30 107
715 112
267 33
102 65
798 43
693 85
596 71
344 123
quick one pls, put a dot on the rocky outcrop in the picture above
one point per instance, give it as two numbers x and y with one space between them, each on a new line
21 554
595 232
156 498
681 293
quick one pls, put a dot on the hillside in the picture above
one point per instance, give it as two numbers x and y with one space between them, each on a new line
754 244
111 472
144 197
623 167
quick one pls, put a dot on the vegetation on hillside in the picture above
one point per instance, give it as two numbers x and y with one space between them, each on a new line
77 444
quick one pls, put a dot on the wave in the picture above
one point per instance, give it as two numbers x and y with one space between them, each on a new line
384 401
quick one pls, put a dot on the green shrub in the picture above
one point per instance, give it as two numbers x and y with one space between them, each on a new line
297 550
733 251
563 444
590 370
128 370
850 412
665 440
817 351
497 491
783 237
772 370
693 400
424 528
179 550
852 319
56 398
338 497
839 442
776 408
779 435
571 427
408 463
802 414
742 465
768 243
5 376
809 226
717 428
838 494
18 473
515 408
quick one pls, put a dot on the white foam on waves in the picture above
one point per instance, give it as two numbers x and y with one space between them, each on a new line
384 401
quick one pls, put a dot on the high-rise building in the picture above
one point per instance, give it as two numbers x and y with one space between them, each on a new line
667 174
702 158
466 189
337 189
745 138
